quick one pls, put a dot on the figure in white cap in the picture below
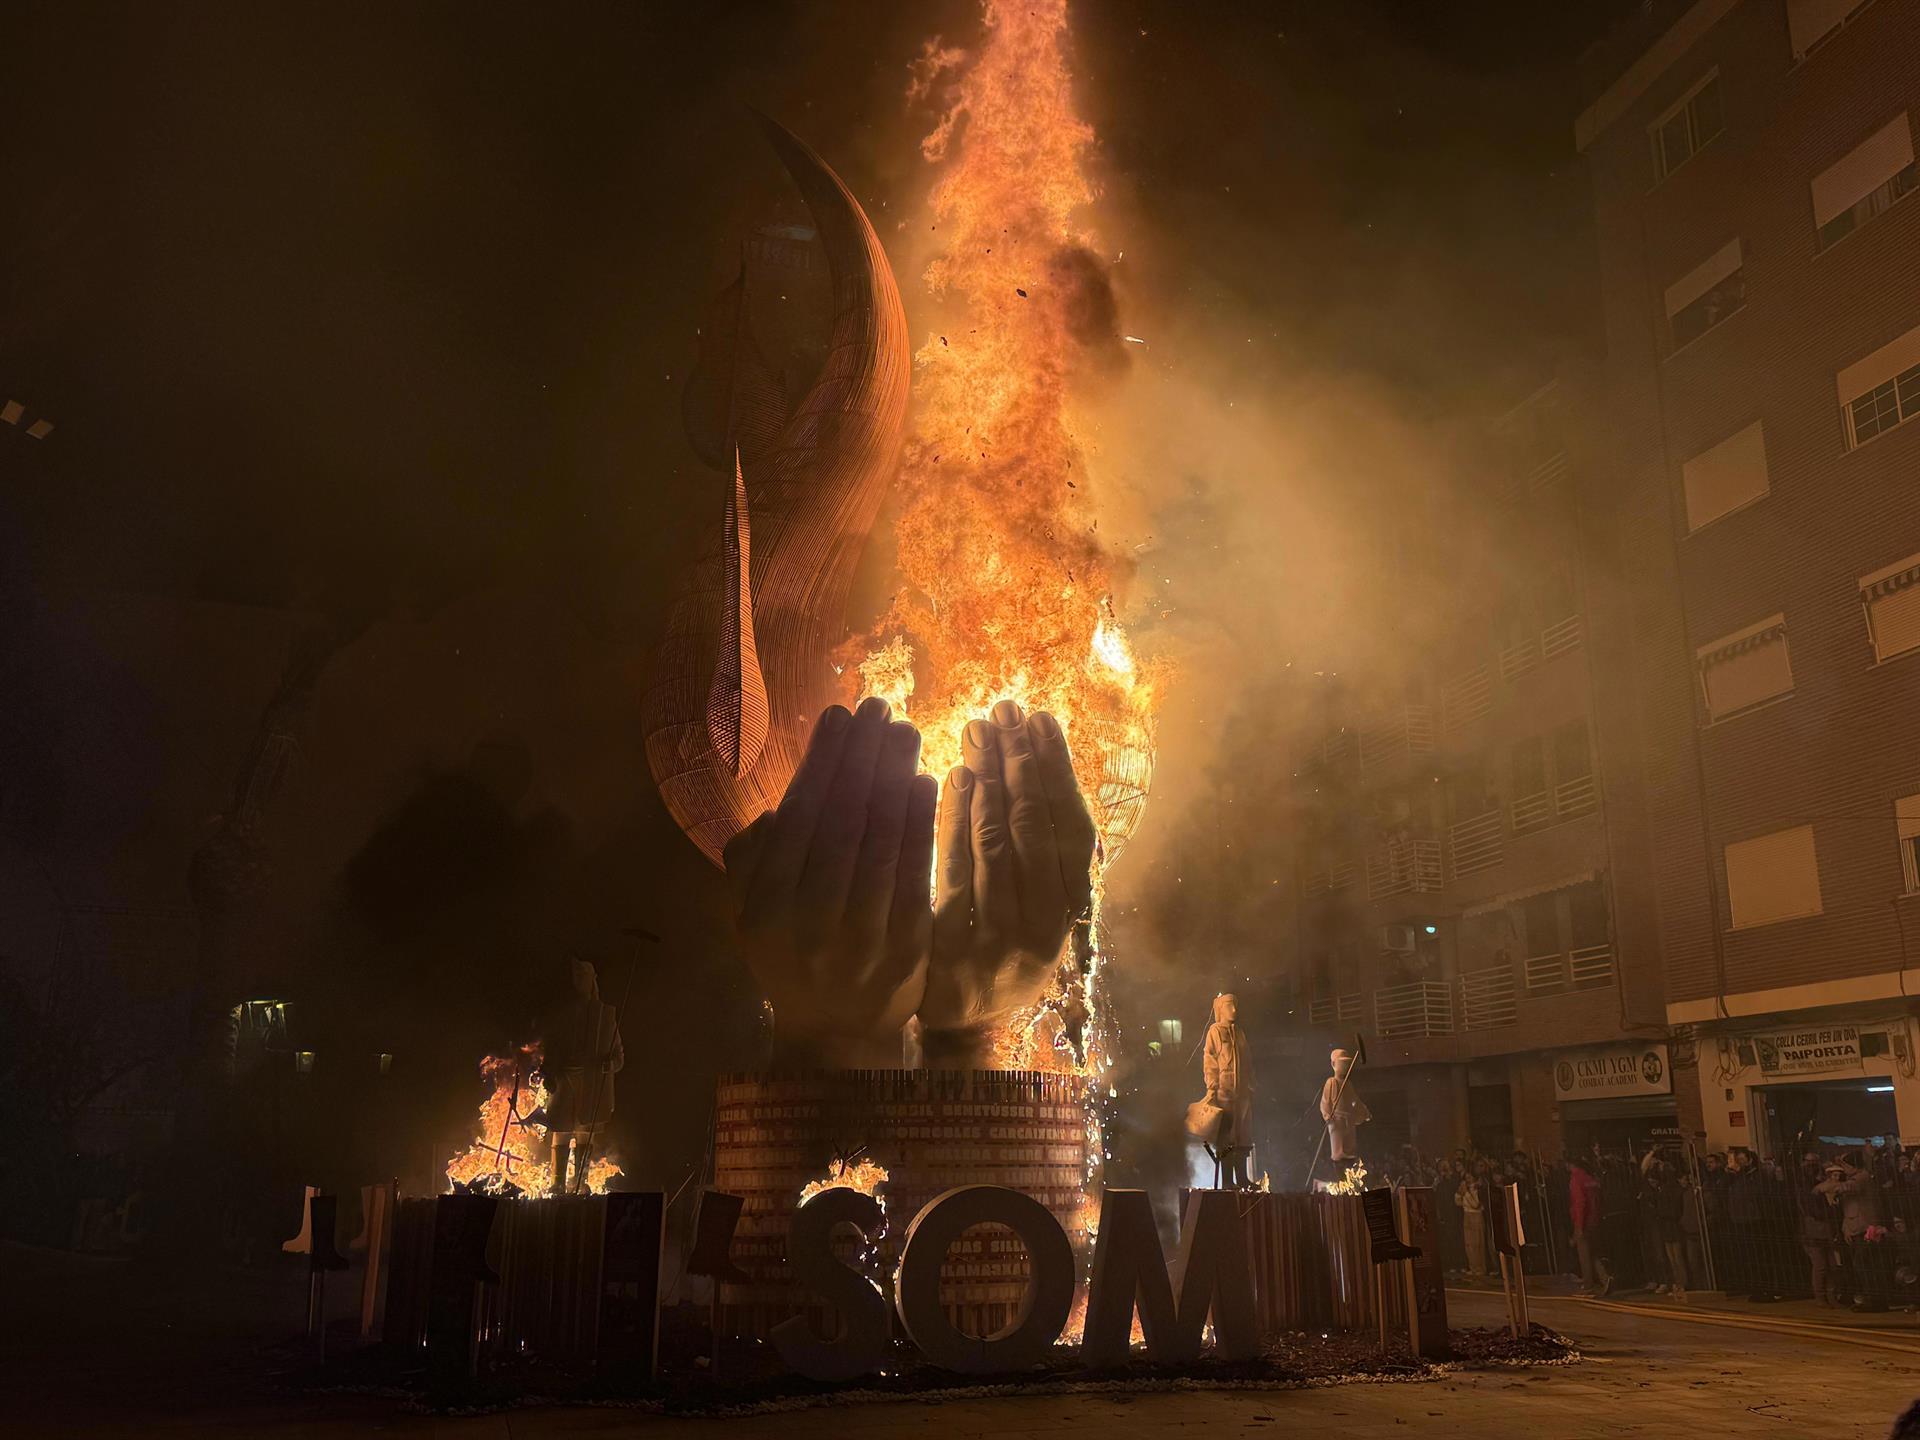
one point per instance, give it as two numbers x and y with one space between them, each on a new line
1229 1075
1343 1111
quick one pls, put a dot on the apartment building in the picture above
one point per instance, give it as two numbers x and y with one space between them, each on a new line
1752 170
1456 891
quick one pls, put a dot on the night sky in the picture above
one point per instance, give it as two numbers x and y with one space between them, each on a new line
381 313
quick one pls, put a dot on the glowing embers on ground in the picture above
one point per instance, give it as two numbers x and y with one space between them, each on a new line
1006 590
510 1153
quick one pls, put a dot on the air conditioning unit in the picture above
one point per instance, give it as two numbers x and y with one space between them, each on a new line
1397 939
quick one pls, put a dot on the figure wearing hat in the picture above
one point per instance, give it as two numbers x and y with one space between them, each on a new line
1229 1074
1343 1111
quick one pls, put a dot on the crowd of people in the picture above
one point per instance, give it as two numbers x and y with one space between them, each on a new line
1839 1227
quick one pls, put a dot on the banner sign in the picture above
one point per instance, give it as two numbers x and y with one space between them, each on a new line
1617 1070
1813 1047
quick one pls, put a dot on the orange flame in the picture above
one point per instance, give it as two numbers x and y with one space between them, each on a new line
510 1150
1006 591
861 1175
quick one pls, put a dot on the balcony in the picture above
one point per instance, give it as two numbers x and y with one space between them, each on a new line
1549 472
1586 967
1335 1010
1477 844
1338 875
1423 1008
1559 638
1400 734
1487 1000
1532 812
1466 698
1577 796
1591 966
1546 972
1518 658
1406 867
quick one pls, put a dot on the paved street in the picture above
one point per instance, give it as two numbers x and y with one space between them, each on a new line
1644 1374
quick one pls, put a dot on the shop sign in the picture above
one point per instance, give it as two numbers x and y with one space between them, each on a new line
1617 1070
1813 1047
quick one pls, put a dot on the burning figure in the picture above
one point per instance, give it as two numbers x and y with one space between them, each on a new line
582 1053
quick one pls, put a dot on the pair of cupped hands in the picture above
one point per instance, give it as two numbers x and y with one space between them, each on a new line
831 888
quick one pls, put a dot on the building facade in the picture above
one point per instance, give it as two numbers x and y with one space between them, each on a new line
1756 566
1457 890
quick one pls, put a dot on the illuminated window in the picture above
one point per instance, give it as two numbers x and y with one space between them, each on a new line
303 1062
1170 1032
1695 119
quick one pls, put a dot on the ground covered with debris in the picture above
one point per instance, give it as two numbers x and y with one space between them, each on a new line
749 1378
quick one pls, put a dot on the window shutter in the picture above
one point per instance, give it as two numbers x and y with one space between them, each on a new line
1808 21
1896 622
1703 277
1906 816
1742 670
1883 364
1773 877
1724 478
1876 160
1906 812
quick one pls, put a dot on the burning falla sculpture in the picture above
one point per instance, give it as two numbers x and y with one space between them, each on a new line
743 668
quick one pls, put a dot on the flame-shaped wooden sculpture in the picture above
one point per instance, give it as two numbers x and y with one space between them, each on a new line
743 668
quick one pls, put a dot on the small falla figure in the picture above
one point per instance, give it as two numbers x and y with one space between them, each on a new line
1343 1111
1229 1074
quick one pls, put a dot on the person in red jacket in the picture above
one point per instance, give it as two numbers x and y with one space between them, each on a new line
1583 1202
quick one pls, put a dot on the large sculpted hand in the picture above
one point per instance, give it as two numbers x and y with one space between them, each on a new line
1015 856
830 893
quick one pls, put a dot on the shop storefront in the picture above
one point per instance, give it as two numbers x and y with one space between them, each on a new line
1784 1085
1619 1097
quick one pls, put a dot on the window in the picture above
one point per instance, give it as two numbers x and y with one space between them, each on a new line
1881 391
1906 819
1707 294
1589 923
1891 598
1721 479
1870 178
1745 669
1572 755
1690 124
1540 923
1469 795
1811 21
1773 877
1170 1032
1529 766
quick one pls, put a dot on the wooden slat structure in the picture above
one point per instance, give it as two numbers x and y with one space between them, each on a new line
1311 1265
548 1303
